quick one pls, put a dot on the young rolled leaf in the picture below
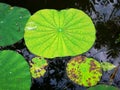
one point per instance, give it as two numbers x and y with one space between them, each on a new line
107 66
14 71
38 67
50 33
118 39
84 71
12 23
103 87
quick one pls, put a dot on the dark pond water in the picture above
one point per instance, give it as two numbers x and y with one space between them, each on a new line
106 17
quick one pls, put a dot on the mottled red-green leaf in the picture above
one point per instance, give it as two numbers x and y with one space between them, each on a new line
84 71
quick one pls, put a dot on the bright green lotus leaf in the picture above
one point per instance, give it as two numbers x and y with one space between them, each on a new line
84 71
107 66
103 87
38 67
50 33
12 23
14 71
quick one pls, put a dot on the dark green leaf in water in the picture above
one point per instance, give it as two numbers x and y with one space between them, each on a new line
12 23
103 87
50 33
14 71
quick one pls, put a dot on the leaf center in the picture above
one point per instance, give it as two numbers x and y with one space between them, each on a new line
60 30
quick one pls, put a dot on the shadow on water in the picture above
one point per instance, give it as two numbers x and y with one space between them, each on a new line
106 17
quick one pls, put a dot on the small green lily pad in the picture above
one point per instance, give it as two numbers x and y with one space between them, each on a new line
103 87
107 66
84 71
50 33
12 24
14 71
38 66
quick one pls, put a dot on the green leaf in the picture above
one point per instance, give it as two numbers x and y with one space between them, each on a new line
118 39
14 71
50 33
12 24
107 66
38 67
84 71
103 87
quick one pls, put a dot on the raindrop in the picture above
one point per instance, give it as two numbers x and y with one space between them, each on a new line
1 22
10 72
20 17
16 24
11 7
31 28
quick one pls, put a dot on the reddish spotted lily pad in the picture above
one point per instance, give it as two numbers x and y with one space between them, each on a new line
38 66
84 71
